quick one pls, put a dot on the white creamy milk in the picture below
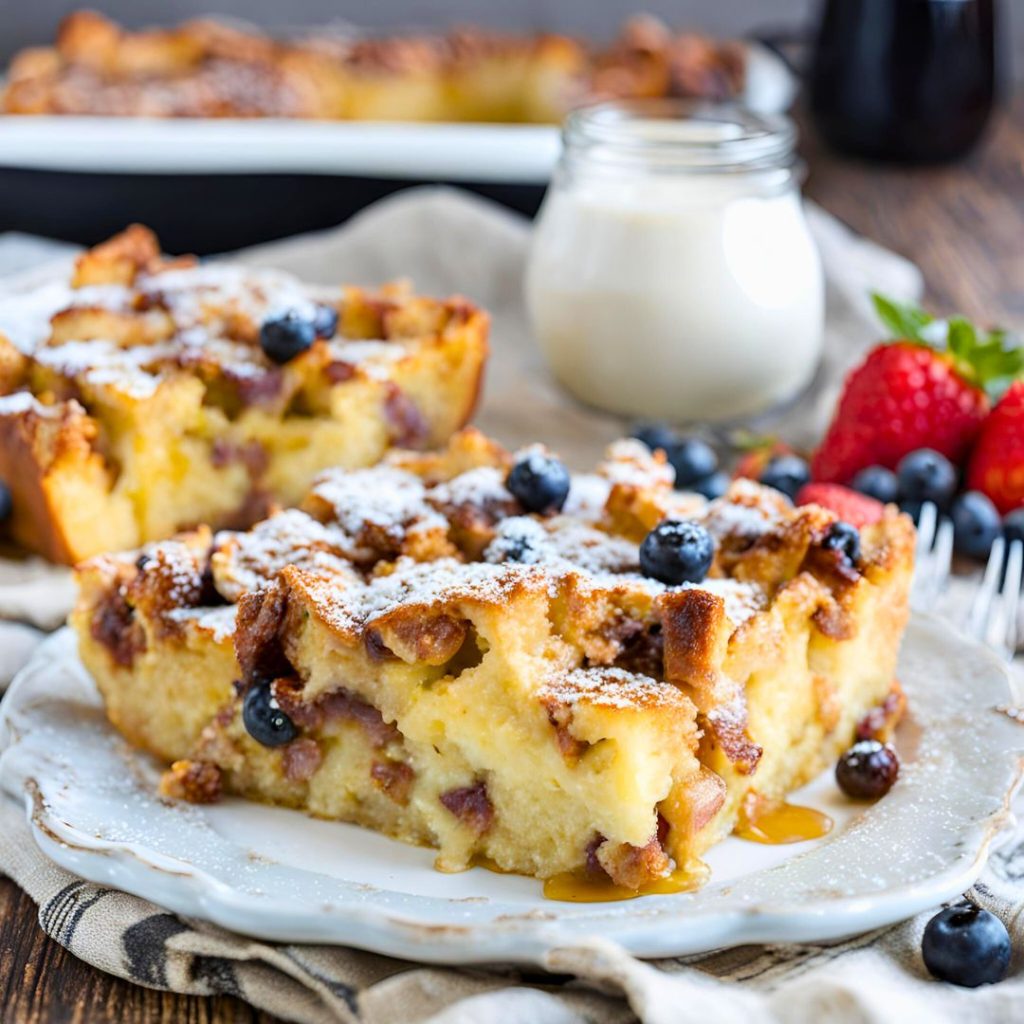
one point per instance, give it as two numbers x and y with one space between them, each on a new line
682 295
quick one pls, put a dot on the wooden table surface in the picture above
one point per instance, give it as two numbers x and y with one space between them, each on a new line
963 225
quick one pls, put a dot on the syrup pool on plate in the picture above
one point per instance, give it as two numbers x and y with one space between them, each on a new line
769 822
776 822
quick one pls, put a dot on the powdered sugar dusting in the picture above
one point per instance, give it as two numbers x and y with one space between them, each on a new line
244 561
19 402
374 358
631 463
219 622
431 585
483 487
193 294
397 502
384 497
609 687
742 600
747 511
355 577
25 316
177 565
587 496
104 364
214 313
563 545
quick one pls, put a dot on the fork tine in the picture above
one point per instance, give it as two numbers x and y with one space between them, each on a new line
939 565
926 523
1011 594
923 558
977 621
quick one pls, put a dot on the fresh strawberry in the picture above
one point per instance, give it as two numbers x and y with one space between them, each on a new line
856 509
930 388
997 462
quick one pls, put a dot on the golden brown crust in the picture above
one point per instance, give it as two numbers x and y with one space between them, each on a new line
696 632
37 444
631 866
119 259
207 69
198 782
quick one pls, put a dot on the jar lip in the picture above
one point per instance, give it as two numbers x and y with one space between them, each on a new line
693 135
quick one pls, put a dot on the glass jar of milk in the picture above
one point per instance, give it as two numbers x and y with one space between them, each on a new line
671 273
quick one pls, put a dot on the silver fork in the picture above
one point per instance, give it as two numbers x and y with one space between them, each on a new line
994 611
933 558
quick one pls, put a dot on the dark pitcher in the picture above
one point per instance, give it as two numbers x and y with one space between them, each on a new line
905 80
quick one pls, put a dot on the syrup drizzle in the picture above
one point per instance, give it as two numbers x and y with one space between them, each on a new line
581 887
761 821
775 822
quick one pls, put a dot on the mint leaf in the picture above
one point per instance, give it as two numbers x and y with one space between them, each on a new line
903 319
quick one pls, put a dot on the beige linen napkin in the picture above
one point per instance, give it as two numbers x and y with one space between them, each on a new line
447 241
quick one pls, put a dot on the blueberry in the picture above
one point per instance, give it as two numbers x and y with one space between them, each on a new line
677 552
1013 525
713 486
976 524
519 545
786 473
539 482
844 538
877 482
966 945
867 770
656 435
926 475
519 549
693 460
265 722
325 321
284 337
6 502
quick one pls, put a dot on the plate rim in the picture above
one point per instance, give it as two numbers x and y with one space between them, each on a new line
514 154
527 936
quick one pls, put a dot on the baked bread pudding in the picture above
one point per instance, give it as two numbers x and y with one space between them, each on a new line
210 69
588 678
148 395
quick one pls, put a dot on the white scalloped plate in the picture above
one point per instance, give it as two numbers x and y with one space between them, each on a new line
278 875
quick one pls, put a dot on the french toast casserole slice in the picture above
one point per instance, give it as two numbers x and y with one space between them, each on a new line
146 395
205 68
412 651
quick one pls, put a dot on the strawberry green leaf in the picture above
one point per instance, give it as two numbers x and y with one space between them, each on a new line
961 338
990 360
903 319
